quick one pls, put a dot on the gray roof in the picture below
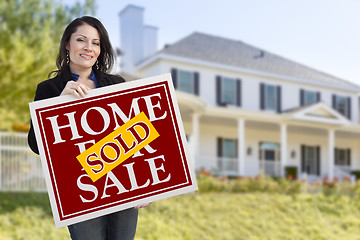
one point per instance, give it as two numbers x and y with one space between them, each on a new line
220 50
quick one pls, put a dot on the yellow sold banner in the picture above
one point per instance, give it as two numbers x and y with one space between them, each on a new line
118 146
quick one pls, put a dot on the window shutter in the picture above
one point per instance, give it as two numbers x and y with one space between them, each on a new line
196 83
302 93
318 160
219 152
219 147
238 92
236 148
318 97
174 77
349 108
278 96
218 90
348 157
334 101
262 96
303 159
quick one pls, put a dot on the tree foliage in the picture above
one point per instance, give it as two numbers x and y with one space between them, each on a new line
30 32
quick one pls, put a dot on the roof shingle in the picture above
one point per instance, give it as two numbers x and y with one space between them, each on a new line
220 50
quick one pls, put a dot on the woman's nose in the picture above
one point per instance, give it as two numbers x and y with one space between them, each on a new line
88 47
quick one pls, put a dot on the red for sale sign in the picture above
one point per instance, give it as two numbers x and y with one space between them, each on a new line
119 147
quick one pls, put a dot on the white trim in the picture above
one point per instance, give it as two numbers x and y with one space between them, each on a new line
241 146
303 114
195 138
331 147
193 101
283 148
160 56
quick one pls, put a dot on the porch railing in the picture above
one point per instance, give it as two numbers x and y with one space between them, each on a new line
271 168
219 165
20 168
342 172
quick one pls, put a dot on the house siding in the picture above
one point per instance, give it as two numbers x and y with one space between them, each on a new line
250 93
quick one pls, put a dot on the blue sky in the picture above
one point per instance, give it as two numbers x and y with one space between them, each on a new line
322 34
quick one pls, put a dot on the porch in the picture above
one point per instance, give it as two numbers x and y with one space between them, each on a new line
313 140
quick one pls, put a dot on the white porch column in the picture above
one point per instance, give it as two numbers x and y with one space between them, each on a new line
241 146
283 151
331 144
194 139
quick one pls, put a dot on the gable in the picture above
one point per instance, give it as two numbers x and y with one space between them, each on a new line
319 113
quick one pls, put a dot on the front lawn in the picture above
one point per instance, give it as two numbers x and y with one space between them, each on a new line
205 215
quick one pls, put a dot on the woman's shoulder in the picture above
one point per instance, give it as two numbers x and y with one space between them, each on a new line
113 78
50 87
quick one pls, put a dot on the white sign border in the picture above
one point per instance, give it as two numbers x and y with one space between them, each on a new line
166 79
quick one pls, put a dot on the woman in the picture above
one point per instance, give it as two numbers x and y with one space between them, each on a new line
85 56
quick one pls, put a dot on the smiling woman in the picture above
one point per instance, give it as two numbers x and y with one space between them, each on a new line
85 56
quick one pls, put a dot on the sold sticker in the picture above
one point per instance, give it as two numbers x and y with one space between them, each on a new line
118 146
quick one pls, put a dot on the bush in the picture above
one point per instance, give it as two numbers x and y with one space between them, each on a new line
262 183
356 173
209 183
291 172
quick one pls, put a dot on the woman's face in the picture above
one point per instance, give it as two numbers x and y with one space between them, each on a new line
84 48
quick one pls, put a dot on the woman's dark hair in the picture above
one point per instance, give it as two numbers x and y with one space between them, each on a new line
106 57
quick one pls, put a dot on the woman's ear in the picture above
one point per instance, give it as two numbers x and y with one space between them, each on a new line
67 46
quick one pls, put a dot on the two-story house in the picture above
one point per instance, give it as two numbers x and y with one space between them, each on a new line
246 110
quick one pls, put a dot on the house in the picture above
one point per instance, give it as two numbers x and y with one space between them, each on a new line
246 110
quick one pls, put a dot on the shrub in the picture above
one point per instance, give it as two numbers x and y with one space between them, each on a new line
262 183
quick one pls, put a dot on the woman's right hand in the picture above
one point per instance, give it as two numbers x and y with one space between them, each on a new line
79 90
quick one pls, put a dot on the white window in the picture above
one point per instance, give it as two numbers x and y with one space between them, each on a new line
270 97
309 97
341 105
228 91
310 160
227 153
342 157
185 81
229 148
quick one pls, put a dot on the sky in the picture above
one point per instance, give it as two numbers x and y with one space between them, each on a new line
321 34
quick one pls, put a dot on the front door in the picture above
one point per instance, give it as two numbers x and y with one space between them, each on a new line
270 159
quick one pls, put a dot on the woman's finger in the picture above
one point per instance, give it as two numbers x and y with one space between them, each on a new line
77 89
142 205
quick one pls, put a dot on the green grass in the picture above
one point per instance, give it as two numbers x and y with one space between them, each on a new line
204 216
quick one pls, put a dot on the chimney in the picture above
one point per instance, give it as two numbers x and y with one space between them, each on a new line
150 40
137 40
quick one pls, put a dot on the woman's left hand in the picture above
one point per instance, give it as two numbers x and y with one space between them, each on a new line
142 205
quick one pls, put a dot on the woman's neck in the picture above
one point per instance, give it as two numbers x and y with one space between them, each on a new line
83 73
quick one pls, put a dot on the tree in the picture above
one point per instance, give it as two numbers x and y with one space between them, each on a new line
30 32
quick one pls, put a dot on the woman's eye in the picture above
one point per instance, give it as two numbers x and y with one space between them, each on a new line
80 40
96 43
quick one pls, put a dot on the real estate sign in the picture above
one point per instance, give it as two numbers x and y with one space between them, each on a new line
121 146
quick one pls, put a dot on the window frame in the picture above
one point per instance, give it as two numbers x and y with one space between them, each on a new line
314 163
342 162
275 97
314 96
179 81
223 92
345 107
